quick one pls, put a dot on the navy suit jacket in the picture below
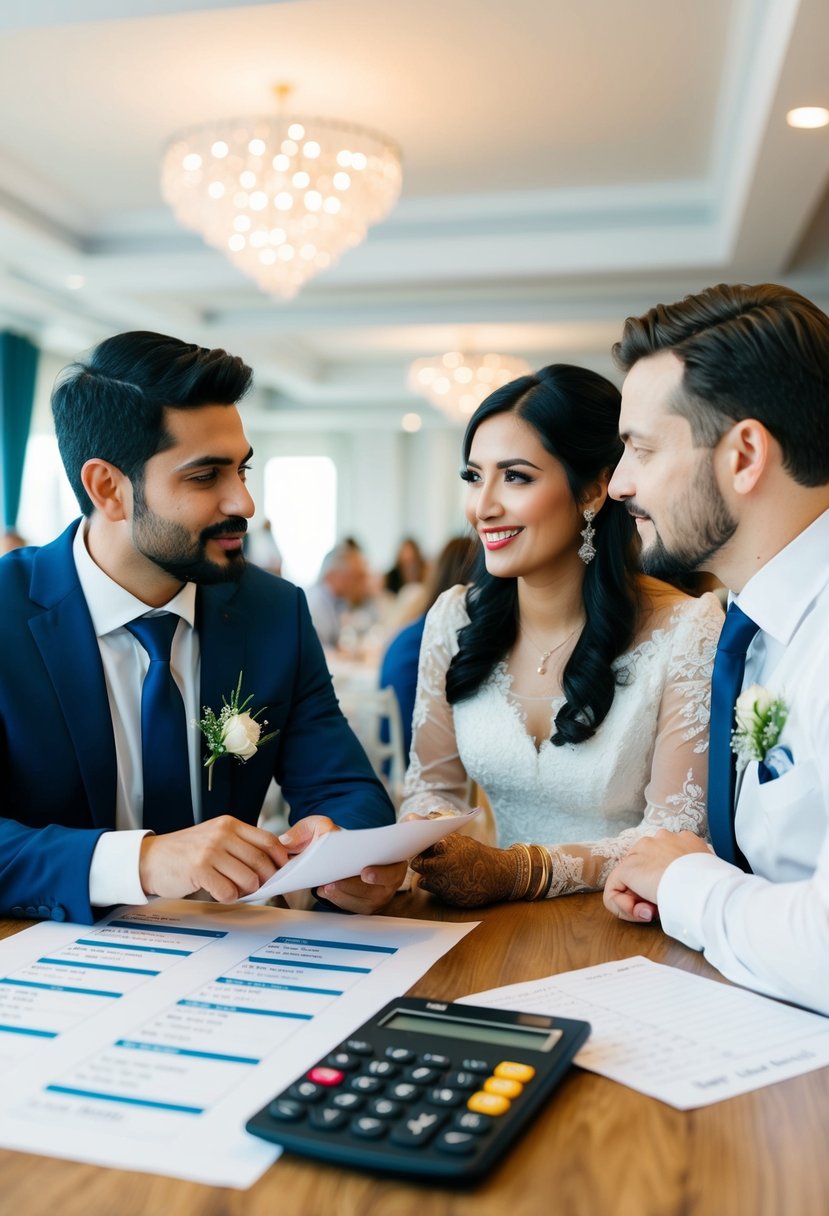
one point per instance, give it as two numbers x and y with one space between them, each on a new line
57 749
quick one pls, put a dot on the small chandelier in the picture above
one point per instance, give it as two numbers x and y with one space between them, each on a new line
458 383
282 196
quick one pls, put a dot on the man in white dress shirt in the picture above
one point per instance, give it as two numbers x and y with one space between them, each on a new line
725 421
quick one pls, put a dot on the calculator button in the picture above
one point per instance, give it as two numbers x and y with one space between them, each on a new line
482 1067
327 1118
434 1060
347 1101
401 1054
306 1090
359 1046
462 1080
366 1085
469 1121
418 1128
382 1068
369 1127
504 1087
513 1071
462 1143
404 1091
326 1076
286 1110
488 1104
346 1060
442 1095
422 1074
385 1108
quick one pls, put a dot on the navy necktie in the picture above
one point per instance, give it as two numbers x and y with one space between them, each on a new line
726 684
164 755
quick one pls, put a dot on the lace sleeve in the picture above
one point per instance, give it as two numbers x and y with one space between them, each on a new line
436 779
675 796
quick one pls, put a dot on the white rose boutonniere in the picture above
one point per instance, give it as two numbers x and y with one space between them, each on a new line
234 731
760 717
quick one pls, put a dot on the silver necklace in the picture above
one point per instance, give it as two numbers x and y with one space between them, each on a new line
541 669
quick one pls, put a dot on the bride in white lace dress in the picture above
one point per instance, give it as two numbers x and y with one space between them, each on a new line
570 689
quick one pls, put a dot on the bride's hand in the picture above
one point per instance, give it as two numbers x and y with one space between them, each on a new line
464 872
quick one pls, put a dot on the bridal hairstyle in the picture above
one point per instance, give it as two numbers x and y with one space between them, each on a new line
111 406
575 413
757 352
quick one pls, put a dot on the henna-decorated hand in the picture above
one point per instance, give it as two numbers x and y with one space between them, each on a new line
464 872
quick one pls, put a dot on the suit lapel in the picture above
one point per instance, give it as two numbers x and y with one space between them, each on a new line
69 648
222 644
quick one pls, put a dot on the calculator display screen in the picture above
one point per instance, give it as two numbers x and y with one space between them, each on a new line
528 1037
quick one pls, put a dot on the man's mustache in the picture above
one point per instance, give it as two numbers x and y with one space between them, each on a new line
228 527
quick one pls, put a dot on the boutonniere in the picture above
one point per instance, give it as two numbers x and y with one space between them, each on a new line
234 731
760 717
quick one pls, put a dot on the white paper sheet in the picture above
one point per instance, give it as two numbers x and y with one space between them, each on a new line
678 1037
145 1041
339 855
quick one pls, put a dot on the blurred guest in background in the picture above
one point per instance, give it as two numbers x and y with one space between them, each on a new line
571 689
341 591
409 566
11 540
399 666
261 549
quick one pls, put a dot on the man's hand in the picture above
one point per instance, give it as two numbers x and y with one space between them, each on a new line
365 893
462 871
630 890
223 856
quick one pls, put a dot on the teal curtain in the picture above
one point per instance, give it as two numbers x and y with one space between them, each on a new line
18 365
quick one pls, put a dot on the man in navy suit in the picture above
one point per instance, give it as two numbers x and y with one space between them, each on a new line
154 448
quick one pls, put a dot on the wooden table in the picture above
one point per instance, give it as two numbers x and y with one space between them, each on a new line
598 1149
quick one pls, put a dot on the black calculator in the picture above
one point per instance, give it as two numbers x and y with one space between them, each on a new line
424 1088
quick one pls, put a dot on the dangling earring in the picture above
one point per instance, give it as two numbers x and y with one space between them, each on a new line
588 550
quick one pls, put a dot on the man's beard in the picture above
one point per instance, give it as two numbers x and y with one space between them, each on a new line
173 549
707 525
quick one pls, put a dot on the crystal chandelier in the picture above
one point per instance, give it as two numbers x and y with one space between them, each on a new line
458 383
282 196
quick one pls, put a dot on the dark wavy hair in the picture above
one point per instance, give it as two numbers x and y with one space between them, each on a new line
111 405
575 413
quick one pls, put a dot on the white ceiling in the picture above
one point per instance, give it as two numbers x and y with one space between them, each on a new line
565 164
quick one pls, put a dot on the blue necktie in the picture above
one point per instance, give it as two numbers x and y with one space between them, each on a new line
165 759
726 684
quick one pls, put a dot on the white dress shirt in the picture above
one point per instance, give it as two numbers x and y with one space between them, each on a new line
770 930
113 877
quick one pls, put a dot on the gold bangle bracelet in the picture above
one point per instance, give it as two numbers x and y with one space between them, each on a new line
523 876
545 873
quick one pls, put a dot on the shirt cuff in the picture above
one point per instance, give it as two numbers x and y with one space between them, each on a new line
683 894
113 874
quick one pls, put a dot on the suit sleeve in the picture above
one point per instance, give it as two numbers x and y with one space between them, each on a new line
44 872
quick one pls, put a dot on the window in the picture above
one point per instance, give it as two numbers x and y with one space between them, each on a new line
301 503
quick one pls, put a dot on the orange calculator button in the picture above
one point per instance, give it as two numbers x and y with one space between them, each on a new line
503 1086
488 1104
514 1072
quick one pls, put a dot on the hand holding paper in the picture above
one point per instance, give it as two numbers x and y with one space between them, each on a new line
338 855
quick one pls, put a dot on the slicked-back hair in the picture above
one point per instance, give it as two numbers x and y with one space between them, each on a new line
110 406
575 414
757 352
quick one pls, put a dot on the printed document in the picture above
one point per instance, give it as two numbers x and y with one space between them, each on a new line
146 1040
678 1037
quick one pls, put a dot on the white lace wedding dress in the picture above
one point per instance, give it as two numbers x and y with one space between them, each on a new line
644 769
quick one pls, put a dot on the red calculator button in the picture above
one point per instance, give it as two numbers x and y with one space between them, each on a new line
326 1076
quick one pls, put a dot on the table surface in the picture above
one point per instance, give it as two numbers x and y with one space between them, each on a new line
598 1149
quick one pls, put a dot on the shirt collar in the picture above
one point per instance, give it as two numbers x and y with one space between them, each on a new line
110 605
778 596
